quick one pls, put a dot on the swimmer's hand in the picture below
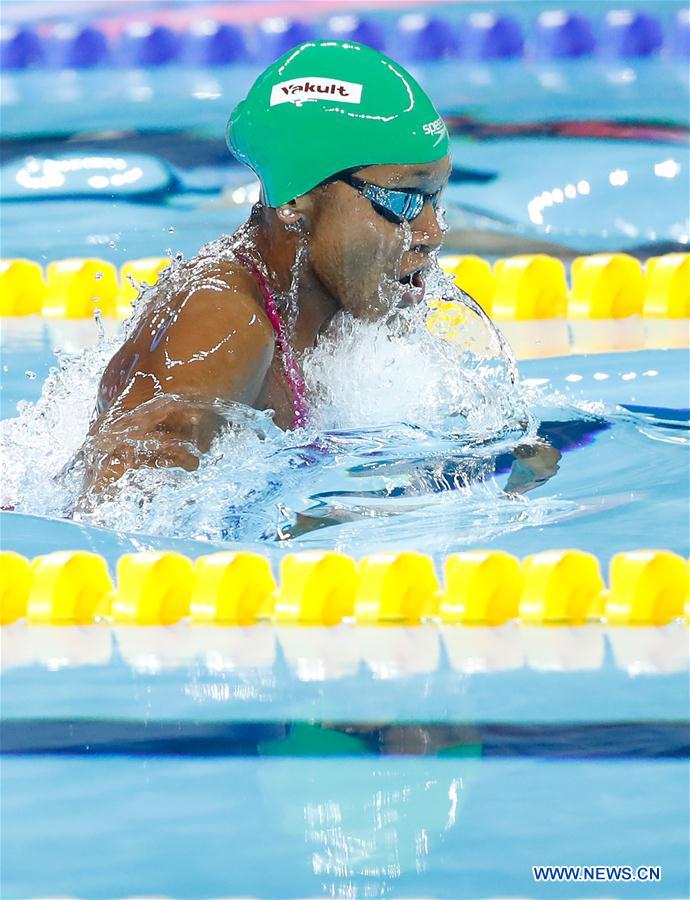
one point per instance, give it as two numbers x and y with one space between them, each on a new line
165 432
305 523
534 465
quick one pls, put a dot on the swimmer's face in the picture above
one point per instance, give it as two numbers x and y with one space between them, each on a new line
359 255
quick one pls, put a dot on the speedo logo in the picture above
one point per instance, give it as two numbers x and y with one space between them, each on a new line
436 127
299 90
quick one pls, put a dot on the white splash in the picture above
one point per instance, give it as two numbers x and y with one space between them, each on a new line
364 374
391 385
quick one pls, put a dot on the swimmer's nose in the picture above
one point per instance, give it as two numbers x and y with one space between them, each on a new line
426 232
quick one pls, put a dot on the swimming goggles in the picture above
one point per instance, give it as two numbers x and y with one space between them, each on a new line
396 206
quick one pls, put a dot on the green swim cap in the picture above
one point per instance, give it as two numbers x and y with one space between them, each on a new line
326 106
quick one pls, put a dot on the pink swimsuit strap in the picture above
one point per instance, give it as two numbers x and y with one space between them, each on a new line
293 373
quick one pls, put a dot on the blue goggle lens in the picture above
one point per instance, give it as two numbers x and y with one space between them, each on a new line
399 206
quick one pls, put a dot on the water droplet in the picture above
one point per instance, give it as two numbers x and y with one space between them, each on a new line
98 276
112 244
5 368
30 375
98 317
171 229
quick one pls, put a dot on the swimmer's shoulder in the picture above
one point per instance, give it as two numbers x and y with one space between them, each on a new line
206 335
220 319
227 292
209 299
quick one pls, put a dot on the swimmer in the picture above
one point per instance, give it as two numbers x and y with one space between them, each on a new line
352 158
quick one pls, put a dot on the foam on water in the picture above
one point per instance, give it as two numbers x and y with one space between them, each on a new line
365 374
405 424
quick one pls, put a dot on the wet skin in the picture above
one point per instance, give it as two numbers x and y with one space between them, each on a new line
153 399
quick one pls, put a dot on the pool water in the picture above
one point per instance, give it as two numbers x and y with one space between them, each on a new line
583 119
225 800
277 762
396 827
619 421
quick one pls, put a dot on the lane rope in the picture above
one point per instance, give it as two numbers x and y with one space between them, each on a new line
477 588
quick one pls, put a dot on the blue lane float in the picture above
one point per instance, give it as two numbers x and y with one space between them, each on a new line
426 38
20 48
488 36
628 33
563 35
361 30
72 46
276 36
210 43
143 44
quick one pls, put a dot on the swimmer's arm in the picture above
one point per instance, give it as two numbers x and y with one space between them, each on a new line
218 347
167 432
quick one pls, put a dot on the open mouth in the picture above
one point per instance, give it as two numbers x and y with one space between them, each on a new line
414 284
413 279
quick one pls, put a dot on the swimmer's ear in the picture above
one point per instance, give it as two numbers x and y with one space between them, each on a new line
294 214
286 213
